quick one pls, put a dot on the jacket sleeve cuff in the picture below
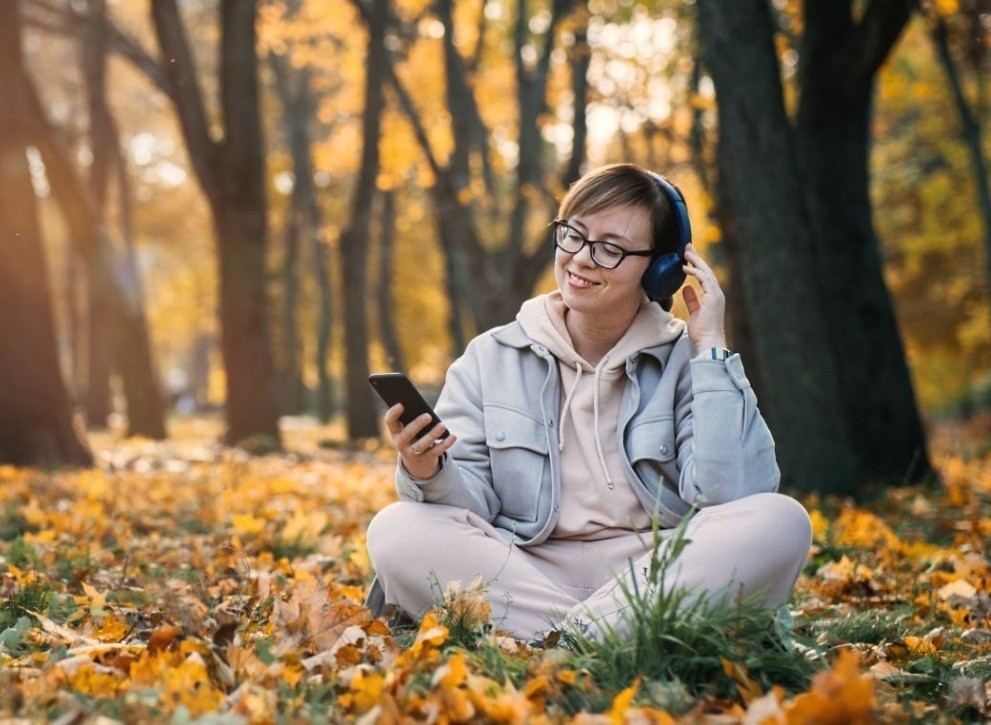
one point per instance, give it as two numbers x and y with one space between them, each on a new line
718 375
426 489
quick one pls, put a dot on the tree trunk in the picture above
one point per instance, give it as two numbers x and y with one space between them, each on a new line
361 418
771 233
75 317
838 62
231 173
384 298
581 59
325 315
97 401
292 396
299 106
244 338
295 120
35 417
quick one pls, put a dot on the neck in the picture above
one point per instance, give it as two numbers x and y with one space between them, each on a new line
593 335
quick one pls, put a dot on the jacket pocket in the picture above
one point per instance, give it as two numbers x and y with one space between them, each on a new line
652 450
518 456
652 440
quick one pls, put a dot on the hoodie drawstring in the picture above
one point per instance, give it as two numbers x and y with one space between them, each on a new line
595 415
595 420
567 405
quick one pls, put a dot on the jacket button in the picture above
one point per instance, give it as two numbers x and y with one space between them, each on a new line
557 507
500 436
550 422
664 447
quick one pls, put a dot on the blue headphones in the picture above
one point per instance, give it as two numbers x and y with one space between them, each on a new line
665 276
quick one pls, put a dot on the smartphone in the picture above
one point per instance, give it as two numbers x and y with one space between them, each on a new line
396 388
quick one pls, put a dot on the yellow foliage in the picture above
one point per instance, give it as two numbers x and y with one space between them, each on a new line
248 524
621 703
189 684
841 696
111 629
89 681
363 693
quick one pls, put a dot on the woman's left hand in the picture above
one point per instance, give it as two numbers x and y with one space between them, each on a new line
706 313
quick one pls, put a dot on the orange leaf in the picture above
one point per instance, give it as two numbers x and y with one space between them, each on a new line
841 696
163 637
621 703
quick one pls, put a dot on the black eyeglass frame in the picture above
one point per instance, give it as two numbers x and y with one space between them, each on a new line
557 224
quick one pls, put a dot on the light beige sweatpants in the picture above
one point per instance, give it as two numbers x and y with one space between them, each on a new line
755 545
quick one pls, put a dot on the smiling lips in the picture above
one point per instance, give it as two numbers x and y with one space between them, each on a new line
579 282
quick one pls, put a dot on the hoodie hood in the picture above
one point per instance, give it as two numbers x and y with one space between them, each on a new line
543 320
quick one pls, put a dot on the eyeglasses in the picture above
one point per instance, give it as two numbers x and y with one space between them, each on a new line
605 254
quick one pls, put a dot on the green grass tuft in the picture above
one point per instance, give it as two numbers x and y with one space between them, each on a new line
34 597
677 640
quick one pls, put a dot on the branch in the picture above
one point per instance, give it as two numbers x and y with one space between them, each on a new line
181 72
876 34
66 22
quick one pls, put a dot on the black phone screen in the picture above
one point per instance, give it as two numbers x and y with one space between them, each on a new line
396 388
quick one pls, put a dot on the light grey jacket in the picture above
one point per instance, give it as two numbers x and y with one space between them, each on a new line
689 429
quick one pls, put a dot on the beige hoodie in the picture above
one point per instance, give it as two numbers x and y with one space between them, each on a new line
596 499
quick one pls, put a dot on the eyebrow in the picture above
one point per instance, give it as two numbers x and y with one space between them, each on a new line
608 235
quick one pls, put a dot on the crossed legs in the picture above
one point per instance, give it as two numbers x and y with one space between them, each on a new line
755 545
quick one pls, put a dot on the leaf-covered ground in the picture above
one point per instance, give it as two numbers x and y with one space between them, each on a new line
183 581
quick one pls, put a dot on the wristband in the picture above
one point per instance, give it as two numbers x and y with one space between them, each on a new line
719 353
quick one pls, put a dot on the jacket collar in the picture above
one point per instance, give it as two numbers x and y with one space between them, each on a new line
513 336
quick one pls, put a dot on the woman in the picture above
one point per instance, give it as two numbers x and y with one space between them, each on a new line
577 424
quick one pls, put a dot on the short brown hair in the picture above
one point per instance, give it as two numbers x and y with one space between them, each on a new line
620 185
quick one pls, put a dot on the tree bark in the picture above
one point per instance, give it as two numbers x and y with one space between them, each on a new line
231 173
760 190
101 134
292 391
361 418
295 120
35 417
298 107
839 59
384 299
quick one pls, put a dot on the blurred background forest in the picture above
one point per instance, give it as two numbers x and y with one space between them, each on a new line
246 207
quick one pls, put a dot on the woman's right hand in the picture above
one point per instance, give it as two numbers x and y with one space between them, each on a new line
421 454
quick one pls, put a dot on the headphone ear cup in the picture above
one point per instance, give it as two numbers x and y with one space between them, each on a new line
663 277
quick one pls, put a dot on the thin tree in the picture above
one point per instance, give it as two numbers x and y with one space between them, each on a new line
102 140
295 93
385 302
361 419
970 126
35 417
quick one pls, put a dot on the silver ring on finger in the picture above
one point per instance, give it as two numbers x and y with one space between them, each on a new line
416 451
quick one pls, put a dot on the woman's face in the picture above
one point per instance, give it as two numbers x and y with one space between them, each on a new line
587 287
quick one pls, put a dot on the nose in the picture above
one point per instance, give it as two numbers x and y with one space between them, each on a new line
584 256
